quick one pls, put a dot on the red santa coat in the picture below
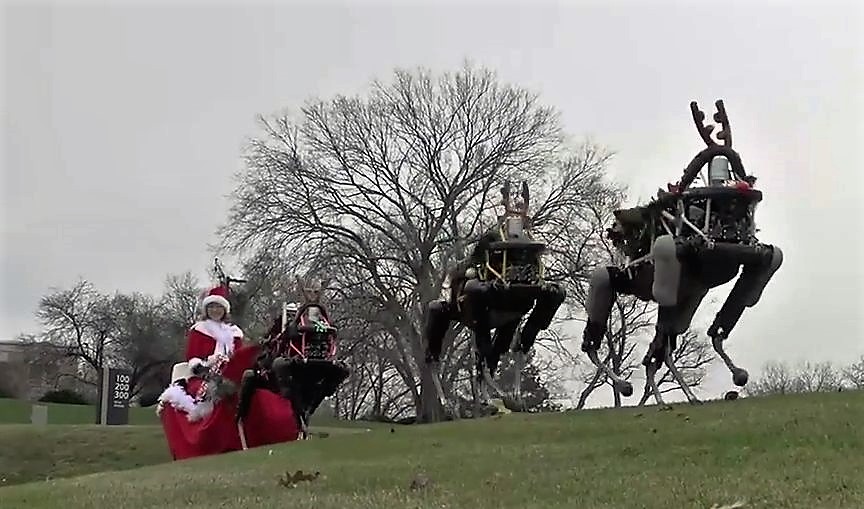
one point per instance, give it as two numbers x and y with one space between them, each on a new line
209 336
196 429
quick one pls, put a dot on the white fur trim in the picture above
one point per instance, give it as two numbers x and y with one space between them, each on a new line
222 333
178 398
217 299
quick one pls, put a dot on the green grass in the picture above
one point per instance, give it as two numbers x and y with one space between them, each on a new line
29 453
779 452
13 411
35 453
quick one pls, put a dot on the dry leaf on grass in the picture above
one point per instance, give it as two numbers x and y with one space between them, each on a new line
735 505
420 482
290 480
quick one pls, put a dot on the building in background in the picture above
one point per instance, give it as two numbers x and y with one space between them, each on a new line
29 370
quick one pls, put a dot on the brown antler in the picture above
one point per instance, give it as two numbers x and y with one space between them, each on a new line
525 197
720 116
705 130
505 195
699 120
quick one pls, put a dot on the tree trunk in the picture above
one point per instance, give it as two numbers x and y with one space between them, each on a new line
429 408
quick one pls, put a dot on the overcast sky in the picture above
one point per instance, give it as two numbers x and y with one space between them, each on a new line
123 126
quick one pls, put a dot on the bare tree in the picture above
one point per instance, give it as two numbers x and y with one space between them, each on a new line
388 188
81 321
143 340
854 374
781 378
819 377
135 331
179 302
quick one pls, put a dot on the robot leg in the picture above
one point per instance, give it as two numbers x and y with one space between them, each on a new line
248 384
685 317
746 293
671 322
601 297
550 299
289 389
501 341
667 271
651 365
335 374
477 304
476 296
505 337
438 316
437 322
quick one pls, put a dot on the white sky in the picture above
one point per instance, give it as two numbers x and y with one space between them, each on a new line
123 125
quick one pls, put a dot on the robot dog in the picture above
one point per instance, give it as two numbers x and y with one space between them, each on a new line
685 242
495 288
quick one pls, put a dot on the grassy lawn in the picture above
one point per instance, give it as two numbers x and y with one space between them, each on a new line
780 452
31 453
13 411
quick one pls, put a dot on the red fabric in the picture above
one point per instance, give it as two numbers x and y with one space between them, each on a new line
201 345
242 359
270 420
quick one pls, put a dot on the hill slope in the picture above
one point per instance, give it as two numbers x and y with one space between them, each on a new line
792 451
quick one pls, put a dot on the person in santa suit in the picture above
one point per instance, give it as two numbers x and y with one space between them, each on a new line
198 409
214 333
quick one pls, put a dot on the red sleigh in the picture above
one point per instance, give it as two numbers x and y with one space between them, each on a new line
198 426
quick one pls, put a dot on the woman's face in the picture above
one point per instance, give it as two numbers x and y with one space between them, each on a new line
215 311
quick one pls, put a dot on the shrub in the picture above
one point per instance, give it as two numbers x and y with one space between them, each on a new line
64 396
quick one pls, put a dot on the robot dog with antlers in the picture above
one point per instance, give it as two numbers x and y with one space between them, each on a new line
298 360
678 247
495 288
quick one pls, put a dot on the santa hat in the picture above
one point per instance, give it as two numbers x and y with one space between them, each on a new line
218 295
